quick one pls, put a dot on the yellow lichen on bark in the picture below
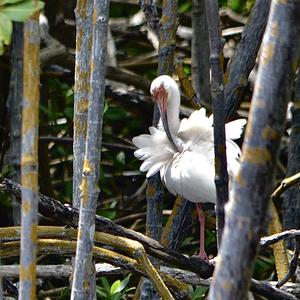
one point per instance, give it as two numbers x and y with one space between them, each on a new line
281 260
83 105
168 226
26 206
81 8
268 54
27 272
87 168
240 180
269 133
94 17
79 39
150 192
80 126
29 159
275 29
84 190
258 156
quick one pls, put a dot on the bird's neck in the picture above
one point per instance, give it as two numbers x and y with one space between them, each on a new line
173 114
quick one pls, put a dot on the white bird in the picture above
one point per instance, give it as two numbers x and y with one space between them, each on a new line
183 151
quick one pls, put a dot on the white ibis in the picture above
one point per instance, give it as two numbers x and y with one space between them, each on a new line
183 151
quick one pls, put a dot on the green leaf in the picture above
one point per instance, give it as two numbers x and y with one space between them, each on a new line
119 286
117 296
115 288
1 48
125 282
106 106
69 112
121 158
19 12
101 292
199 293
5 31
105 284
2 2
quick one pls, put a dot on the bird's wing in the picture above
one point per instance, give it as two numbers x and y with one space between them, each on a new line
154 148
233 153
191 175
235 128
196 127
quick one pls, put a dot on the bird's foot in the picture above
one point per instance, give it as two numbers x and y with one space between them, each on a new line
202 255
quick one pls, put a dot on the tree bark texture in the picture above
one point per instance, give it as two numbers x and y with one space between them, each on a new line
83 286
252 187
243 60
83 13
29 158
291 198
66 215
200 53
14 108
217 92
167 38
167 43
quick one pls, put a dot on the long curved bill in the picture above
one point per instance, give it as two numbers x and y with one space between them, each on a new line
162 106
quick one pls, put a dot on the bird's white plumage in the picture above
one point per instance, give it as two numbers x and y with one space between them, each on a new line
188 170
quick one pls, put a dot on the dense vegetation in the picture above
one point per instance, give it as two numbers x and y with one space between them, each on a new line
132 62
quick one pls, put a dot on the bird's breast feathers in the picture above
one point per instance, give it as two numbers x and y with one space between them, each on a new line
188 172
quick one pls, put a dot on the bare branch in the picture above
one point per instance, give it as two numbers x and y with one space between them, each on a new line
272 239
285 185
67 215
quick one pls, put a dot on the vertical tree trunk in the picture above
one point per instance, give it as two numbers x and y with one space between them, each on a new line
14 108
252 187
291 198
83 13
29 159
217 92
83 286
243 60
200 53
166 31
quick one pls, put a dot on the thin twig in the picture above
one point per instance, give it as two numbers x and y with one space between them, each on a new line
272 239
284 185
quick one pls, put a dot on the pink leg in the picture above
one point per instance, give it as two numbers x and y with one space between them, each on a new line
201 217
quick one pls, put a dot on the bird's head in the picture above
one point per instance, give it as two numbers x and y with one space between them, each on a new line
167 96
163 87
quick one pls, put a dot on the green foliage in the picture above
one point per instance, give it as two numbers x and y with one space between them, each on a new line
184 6
14 11
65 294
236 5
241 6
116 291
199 293
122 121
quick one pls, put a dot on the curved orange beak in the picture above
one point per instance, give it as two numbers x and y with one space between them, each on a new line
161 97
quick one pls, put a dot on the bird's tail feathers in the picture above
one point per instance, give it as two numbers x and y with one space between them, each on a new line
154 148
